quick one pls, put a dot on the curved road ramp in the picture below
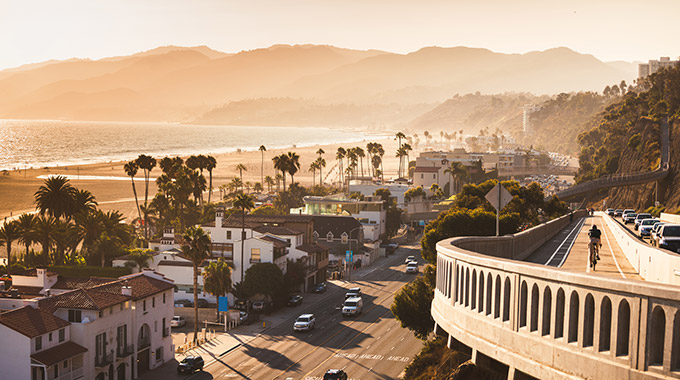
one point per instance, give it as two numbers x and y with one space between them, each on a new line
533 320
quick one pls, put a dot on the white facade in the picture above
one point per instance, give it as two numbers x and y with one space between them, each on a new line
18 354
646 69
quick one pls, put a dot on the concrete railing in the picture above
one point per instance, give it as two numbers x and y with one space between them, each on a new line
670 218
550 323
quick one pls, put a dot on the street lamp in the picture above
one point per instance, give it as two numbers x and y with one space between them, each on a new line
349 245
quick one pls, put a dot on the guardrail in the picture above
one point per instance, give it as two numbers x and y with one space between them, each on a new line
551 323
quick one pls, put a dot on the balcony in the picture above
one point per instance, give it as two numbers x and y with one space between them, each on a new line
166 332
103 360
125 351
73 375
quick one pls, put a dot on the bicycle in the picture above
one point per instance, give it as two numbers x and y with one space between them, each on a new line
594 249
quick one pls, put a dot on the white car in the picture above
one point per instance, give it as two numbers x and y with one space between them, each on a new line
305 322
409 259
645 227
178 321
412 267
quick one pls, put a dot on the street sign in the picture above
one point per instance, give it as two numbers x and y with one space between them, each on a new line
349 256
498 201
222 304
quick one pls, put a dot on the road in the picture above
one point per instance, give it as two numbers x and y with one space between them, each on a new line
369 346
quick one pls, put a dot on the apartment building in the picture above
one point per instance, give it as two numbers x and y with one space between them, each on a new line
649 68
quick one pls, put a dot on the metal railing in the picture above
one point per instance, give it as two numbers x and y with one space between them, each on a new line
103 360
124 351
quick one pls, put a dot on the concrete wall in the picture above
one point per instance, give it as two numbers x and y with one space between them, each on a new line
670 218
15 352
550 323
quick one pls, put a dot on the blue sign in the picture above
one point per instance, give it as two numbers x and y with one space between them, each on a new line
223 304
349 256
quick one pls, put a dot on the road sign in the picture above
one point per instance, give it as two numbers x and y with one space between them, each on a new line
498 197
222 304
349 256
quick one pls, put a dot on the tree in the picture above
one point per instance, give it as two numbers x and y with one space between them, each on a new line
241 168
312 168
458 173
55 197
293 165
401 135
9 232
360 154
211 163
27 231
131 169
340 155
623 87
281 163
243 202
262 150
45 225
266 279
257 187
83 201
196 248
146 163
140 257
295 275
412 303
322 164
217 279
270 183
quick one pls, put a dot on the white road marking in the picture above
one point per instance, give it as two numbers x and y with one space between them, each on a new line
612 252
563 241
570 246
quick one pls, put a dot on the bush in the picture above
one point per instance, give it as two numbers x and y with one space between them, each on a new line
90 271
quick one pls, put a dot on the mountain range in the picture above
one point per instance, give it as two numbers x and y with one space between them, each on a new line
199 84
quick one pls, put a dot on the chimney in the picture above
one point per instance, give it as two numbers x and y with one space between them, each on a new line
47 292
40 273
219 214
126 290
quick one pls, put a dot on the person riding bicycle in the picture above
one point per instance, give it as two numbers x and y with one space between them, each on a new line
595 234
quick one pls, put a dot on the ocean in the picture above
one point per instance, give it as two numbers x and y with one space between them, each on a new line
40 143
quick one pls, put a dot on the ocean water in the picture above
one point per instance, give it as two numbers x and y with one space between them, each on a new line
37 143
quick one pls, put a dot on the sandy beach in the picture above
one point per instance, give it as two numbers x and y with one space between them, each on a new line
17 187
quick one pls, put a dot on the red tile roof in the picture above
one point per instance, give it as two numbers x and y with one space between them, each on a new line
32 322
277 230
88 299
80 283
142 285
426 169
58 353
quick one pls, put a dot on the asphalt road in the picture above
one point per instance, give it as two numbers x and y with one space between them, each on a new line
369 346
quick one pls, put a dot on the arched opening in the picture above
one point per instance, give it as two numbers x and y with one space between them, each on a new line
143 349
473 296
523 304
506 300
480 303
534 308
460 284
559 314
547 308
623 329
589 321
573 317
489 291
605 324
120 372
497 298
467 287
675 349
456 295
656 337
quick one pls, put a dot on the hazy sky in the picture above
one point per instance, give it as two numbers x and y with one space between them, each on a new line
33 31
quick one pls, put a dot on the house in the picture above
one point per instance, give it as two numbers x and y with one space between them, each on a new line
169 240
117 328
340 234
371 213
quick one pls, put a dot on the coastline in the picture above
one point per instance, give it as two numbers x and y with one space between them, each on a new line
18 186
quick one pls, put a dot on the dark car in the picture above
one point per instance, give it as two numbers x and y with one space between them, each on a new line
320 288
295 300
242 305
183 303
202 302
335 374
190 364
618 212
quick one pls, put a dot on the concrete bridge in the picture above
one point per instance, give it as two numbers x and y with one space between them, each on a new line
556 321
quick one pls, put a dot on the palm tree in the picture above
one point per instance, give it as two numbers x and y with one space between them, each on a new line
312 168
281 163
83 201
27 231
196 248
352 161
243 202
458 172
279 178
376 161
360 154
131 170
236 183
401 153
262 150
400 136
320 163
270 183
55 197
198 186
89 227
340 155
293 165
217 279
381 152
210 164
241 168
9 232
146 163
140 257
45 226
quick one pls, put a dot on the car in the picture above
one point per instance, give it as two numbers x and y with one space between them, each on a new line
177 321
610 211
295 300
320 288
183 303
640 217
335 374
353 292
259 306
645 227
618 212
202 302
190 364
412 267
304 322
627 211
352 306
654 233
243 317
669 237
242 305
629 218
409 259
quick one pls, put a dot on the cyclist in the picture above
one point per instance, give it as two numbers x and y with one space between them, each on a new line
595 243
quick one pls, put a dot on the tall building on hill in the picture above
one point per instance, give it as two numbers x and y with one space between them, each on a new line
646 69
528 110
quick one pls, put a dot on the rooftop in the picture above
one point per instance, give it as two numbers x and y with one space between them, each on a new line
58 353
31 322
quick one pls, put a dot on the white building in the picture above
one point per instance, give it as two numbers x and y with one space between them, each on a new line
371 213
646 69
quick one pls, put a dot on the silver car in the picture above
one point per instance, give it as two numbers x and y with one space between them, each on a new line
645 227
305 322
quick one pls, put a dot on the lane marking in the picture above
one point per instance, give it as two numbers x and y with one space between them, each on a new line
564 258
563 241
612 252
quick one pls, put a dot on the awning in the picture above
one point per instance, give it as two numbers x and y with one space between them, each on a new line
58 353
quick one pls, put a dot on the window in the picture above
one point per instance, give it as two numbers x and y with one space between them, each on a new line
163 297
159 354
434 176
101 313
100 347
345 238
38 343
329 237
111 310
254 255
153 302
422 175
75 316
228 235
65 364
155 326
62 335
121 337
56 371
50 337
144 306
121 307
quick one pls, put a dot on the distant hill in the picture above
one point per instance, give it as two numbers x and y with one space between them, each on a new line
172 83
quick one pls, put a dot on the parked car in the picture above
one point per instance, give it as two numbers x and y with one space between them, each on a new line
640 217
409 259
412 267
353 292
243 317
183 303
669 237
259 306
335 374
177 321
618 212
190 364
610 211
645 227
202 302
242 305
305 322
295 300
654 234
320 288
629 218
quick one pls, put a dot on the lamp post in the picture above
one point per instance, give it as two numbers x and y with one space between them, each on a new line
349 243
